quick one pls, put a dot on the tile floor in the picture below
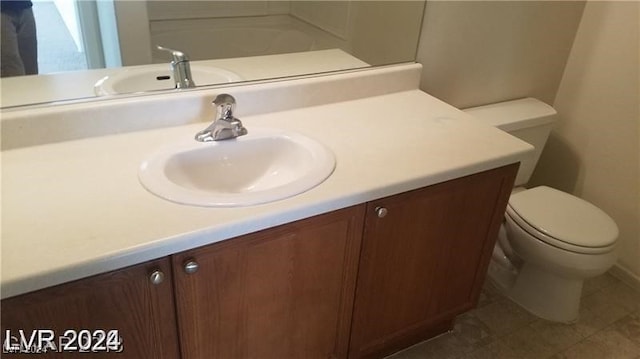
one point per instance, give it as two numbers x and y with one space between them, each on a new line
608 328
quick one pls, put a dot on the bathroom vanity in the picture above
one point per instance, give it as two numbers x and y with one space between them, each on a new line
382 254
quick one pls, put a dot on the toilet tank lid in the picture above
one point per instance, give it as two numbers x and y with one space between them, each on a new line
565 217
514 115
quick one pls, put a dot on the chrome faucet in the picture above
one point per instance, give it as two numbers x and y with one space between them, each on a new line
225 126
180 68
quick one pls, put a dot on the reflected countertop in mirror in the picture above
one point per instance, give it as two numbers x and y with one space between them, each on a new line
243 40
18 91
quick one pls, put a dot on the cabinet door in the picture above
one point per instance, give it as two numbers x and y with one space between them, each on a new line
424 258
285 292
125 300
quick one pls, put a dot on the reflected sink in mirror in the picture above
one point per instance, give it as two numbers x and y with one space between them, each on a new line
264 166
158 77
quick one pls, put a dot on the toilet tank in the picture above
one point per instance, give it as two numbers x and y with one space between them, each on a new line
528 119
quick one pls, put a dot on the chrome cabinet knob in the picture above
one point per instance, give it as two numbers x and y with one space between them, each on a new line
381 212
190 266
156 277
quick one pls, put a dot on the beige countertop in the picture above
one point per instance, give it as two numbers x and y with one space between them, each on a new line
75 208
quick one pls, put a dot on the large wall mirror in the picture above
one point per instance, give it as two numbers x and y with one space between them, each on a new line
98 49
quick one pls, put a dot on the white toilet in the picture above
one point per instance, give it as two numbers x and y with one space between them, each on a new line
550 241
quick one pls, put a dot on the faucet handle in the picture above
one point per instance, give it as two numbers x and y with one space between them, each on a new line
177 55
225 105
225 125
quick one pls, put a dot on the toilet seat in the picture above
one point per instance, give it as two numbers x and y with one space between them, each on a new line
562 220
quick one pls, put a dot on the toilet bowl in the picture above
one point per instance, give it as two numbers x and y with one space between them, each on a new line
550 241
556 242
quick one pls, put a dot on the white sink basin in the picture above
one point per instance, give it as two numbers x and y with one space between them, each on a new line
158 77
264 166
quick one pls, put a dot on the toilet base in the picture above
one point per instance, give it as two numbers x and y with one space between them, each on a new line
547 295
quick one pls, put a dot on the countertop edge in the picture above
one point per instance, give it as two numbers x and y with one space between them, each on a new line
205 236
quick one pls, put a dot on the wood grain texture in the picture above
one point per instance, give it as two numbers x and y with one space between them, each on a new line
125 300
290 291
285 292
425 261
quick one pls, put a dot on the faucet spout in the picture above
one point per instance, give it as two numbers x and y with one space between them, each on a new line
221 130
180 67
226 125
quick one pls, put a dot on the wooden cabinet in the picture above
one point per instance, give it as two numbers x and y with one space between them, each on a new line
418 258
424 257
125 300
285 292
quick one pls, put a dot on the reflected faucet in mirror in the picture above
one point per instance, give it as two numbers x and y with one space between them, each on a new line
180 68
226 125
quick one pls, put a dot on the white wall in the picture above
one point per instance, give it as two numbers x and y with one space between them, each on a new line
377 32
331 16
595 151
133 32
385 32
480 52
